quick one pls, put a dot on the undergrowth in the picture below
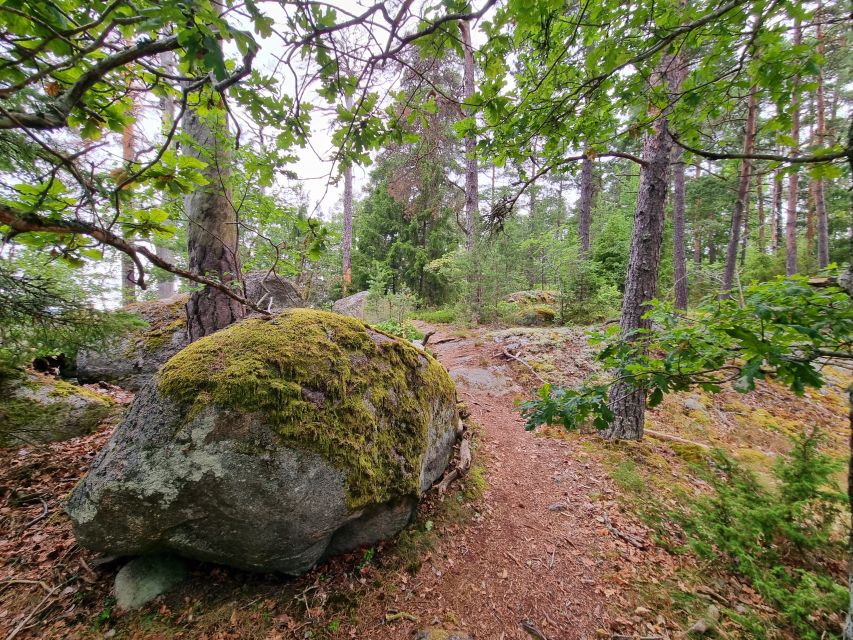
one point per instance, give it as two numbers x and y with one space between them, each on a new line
783 539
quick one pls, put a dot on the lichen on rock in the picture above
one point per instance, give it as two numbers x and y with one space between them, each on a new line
326 383
271 444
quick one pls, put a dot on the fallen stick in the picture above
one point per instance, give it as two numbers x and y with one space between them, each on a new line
461 468
531 629
509 354
23 623
400 615
619 534
41 516
670 438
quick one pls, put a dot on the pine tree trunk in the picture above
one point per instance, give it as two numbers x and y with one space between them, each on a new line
819 195
211 225
346 239
471 170
793 180
679 249
128 270
745 238
585 205
759 197
697 236
627 403
742 194
776 219
166 285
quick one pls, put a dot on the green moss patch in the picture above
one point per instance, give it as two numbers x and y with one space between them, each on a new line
29 416
325 383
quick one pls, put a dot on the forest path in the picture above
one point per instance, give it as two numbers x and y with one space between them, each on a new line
537 555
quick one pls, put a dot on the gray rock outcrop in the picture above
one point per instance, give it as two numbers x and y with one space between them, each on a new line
271 292
40 408
272 444
133 359
354 305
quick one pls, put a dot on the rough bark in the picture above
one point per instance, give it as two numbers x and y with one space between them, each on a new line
759 197
166 284
471 186
742 194
679 250
585 204
628 403
793 180
346 240
744 240
128 271
697 227
819 195
212 226
776 213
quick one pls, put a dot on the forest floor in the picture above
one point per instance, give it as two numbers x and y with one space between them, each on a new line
548 536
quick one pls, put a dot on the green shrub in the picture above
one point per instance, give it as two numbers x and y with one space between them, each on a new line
781 539
441 316
402 330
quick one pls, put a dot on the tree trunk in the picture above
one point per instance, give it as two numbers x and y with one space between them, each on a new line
471 186
819 195
776 213
212 224
745 238
128 271
742 193
793 180
585 204
697 237
628 403
679 250
759 197
346 240
166 285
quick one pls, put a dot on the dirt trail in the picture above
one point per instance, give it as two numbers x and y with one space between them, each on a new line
536 557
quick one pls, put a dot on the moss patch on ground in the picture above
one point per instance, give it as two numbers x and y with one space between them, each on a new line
326 383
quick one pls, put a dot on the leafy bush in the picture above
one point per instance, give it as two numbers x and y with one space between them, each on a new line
780 539
441 316
402 330
783 329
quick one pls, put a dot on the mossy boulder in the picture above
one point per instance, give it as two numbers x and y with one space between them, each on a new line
40 408
134 358
271 292
272 444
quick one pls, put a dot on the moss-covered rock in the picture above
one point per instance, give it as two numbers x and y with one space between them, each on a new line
40 408
134 358
271 444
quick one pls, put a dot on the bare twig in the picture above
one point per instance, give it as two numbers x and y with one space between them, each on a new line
619 534
41 516
532 630
518 358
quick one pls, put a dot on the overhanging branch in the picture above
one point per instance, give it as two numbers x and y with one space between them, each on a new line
20 222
